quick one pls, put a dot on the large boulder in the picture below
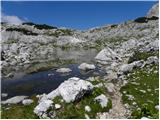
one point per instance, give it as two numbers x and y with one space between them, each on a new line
107 56
14 100
85 66
74 89
154 11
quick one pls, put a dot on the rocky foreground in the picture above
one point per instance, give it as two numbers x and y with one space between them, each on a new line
128 52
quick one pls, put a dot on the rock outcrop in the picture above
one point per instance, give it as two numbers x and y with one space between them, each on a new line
107 56
154 11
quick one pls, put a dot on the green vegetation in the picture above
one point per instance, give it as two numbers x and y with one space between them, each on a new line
145 19
19 111
22 30
142 56
143 87
77 109
114 26
40 26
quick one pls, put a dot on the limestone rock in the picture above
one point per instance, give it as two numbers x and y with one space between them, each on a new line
63 70
42 108
27 102
106 56
87 108
154 11
102 100
85 66
74 88
14 100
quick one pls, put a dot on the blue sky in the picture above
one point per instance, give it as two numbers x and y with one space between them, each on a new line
77 15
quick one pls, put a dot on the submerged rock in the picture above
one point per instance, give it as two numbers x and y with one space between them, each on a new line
27 102
63 70
85 66
4 95
102 100
107 56
14 100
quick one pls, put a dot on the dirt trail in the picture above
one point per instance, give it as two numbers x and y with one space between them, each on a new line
118 110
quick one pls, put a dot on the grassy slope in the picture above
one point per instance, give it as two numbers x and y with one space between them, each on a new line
143 85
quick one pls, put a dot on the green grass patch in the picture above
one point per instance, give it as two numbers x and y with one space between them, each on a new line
19 111
143 85
22 30
142 55
76 110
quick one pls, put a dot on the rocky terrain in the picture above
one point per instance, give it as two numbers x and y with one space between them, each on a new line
127 52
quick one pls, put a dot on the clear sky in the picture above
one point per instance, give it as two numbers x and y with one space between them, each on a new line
77 15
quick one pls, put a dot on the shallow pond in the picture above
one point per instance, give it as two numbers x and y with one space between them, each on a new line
43 82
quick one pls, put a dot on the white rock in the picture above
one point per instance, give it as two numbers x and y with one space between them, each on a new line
157 107
74 88
85 66
154 11
102 99
57 106
14 100
27 102
43 106
144 118
107 55
86 116
125 68
87 108
63 70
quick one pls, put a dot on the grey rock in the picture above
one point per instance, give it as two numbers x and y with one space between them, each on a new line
106 56
85 66
14 100
152 60
154 11
41 109
74 89
27 101
63 70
